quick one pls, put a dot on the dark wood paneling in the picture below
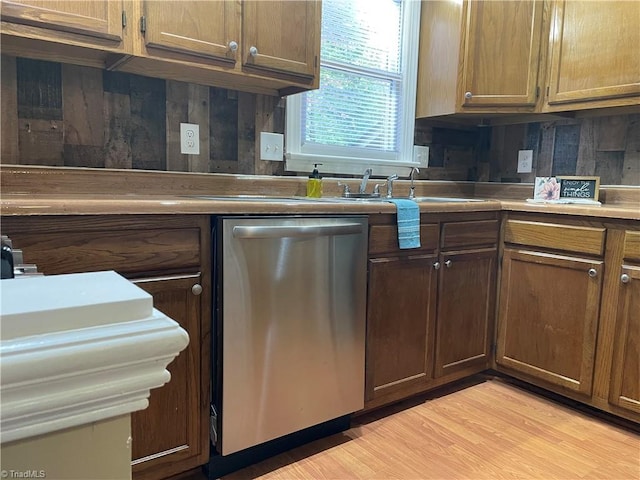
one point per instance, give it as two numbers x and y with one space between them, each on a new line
148 123
82 98
117 123
177 113
223 130
133 118
39 89
9 111
41 142
246 133
565 152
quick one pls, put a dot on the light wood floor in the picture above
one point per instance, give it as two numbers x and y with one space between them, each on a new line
492 430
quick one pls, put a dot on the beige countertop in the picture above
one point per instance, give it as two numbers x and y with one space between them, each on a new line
81 204
34 190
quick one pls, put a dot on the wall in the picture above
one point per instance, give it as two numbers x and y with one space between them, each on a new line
607 146
66 115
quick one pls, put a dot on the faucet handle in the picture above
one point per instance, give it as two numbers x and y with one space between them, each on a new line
345 188
390 180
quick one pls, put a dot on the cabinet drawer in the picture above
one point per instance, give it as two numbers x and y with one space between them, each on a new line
127 244
466 234
589 240
632 246
384 238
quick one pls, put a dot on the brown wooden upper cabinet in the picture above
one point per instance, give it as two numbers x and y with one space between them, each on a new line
202 29
501 43
494 57
594 58
480 56
282 37
29 25
263 47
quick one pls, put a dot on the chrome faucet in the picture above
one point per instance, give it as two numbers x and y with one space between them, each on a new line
365 179
412 190
390 180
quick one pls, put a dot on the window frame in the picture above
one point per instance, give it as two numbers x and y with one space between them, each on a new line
351 160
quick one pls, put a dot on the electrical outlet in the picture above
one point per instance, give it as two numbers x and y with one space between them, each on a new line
190 139
525 161
421 155
271 146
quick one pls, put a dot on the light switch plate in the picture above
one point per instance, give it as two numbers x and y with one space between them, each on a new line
421 155
190 139
525 161
271 146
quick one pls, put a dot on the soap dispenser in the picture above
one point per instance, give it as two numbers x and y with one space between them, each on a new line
314 183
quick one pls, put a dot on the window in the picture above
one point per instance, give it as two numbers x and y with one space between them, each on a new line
363 114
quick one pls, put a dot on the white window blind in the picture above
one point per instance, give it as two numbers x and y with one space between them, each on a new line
363 113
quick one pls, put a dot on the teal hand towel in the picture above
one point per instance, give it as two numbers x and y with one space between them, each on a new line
408 213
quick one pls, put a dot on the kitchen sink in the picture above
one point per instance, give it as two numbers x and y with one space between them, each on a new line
416 199
252 198
445 199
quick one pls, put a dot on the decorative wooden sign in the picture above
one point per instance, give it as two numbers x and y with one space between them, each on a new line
586 188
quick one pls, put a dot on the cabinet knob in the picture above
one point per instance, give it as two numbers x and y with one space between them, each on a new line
593 272
436 265
448 263
624 278
253 51
196 289
468 95
233 46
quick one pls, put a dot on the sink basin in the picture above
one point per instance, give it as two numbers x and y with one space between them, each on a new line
251 198
445 199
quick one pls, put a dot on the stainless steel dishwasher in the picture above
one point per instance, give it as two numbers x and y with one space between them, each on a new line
289 325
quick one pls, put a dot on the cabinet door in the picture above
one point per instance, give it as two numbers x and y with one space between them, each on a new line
501 49
549 307
625 370
203 29
594 51
282 36
465 310
400 309
170 435
97 18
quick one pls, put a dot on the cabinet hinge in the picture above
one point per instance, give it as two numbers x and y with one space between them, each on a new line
538 92
124 19
143 24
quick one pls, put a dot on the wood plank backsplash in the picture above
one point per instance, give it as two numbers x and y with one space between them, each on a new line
66 115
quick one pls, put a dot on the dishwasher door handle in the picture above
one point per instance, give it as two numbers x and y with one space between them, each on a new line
296 231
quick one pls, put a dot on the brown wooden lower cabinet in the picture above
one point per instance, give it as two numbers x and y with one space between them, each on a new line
401 308
167 434
624 388
547 325
168 256
429 311
466 294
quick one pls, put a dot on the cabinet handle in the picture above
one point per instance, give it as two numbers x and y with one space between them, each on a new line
436 265
233 46
624 278
196 289
448 263
253 51
468 95
593 272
